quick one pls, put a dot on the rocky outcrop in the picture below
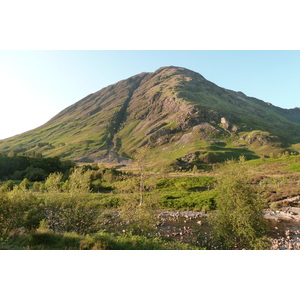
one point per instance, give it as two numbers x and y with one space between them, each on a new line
258 137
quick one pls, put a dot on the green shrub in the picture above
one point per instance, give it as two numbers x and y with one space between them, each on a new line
110 202
54 182
8 186
87 244
20 209
239 222
54 241
274 205
24 185
80 182
71 214
36 186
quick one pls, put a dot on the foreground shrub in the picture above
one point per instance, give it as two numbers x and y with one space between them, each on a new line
54 241
20 209
70 214
238 223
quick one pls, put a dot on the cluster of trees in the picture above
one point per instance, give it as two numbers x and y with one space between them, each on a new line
18 167
71 211
24 211
74 180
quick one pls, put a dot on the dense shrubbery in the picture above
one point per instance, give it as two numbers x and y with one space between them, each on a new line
20 210
23 211
33 168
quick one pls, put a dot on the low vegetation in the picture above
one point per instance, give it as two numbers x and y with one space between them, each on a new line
97 207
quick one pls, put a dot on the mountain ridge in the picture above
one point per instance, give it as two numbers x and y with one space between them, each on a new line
167 110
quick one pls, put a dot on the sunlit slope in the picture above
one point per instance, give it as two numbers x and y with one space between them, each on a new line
179 115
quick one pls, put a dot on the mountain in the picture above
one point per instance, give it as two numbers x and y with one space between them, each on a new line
179 115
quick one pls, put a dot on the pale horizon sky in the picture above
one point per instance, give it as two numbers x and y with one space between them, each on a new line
36 85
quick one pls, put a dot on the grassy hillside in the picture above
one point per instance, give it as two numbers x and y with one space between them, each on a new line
181 117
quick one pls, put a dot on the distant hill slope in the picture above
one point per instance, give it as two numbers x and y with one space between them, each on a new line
179 115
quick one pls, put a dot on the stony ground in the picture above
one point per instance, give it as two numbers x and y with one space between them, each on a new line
285 213
291 241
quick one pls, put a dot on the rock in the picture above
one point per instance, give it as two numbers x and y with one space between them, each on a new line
225 123
288 233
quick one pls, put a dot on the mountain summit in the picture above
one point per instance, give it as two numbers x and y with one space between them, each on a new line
180 116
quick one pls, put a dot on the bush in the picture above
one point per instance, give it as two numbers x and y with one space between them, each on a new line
24 185
54 241
80 182
139 218
73 215
36 186
54 182
238 223
19 209
274 205
7 186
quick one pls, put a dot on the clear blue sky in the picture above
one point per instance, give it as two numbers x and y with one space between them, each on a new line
36 85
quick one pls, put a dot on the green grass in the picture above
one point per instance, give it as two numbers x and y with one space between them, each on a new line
199 201
98 241
293 167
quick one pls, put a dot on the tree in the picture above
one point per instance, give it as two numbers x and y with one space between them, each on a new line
140 160
7 186
139 218
238 223
24 185
109 175
36 186
11 153
53 182
79 181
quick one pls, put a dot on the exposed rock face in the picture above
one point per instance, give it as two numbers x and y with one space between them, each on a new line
225 123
